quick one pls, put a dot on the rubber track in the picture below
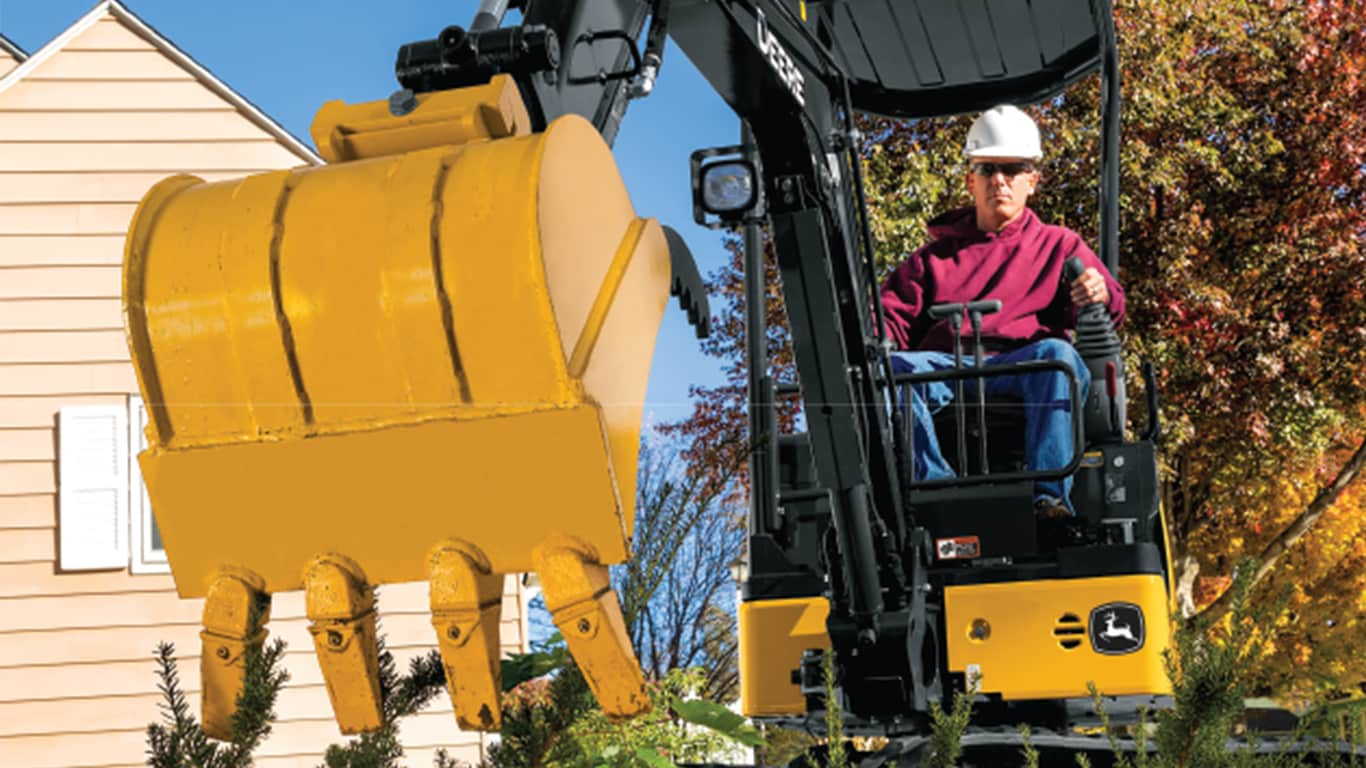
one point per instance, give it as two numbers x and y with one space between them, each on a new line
1003 747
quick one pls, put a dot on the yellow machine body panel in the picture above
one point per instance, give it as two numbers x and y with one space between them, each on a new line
370 357
773 636
1035 639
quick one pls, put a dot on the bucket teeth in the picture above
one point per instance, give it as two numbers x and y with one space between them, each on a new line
236 609
341 609
579 596
467 602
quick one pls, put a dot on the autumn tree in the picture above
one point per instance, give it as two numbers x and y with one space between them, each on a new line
716 436
677 592
1244 206
1243 215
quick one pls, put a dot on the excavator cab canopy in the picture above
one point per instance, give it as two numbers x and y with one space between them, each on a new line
931 58
941 57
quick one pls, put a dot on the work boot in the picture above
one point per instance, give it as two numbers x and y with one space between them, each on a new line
1050 508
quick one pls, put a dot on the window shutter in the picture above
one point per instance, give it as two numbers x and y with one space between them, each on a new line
92 493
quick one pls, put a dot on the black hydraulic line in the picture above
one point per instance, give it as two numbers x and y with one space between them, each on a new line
901 449
603 76
601 100
837 446
902 443
851 139
809 494
1109 148
659 31
860 562
653 58
489 15
762 419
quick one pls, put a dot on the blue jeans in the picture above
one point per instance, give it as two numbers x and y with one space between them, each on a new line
1047 397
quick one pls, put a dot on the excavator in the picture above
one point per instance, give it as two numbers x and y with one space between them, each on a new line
354 371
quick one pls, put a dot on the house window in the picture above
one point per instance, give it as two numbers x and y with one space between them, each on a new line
148 555
104 516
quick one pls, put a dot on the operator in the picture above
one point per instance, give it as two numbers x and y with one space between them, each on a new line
999 249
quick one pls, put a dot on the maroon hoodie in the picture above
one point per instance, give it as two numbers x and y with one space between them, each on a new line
1021 265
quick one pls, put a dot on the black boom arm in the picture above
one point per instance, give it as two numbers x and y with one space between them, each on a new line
779 78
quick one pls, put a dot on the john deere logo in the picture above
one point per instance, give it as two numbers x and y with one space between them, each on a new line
1117 628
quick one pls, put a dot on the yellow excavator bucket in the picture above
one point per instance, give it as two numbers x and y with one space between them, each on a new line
424 361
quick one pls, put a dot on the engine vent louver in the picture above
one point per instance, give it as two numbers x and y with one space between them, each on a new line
1069 631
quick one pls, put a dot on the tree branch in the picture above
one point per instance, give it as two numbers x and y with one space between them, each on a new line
1297 529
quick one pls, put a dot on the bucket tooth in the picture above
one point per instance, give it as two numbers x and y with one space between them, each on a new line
341 608
578 594
236 609
467 603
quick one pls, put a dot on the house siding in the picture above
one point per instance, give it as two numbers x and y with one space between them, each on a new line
7 62
82 137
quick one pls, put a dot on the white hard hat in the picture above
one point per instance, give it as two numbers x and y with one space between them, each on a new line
1003 131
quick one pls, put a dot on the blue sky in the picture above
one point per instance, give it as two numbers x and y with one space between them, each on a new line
289 56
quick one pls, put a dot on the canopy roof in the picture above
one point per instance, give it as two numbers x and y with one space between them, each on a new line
918 58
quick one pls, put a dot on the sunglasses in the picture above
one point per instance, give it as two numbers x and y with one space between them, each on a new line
1009 170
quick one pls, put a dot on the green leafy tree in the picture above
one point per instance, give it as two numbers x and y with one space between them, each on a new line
553 719
676 590
1244 206
677 599
715 437
680 729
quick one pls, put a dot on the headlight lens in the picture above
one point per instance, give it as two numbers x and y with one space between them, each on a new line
728 187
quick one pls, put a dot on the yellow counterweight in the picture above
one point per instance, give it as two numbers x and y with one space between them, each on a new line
1043 639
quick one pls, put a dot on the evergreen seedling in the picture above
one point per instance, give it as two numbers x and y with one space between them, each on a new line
400 696
1208 689
1140 758
180 742
946 730
1027 750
